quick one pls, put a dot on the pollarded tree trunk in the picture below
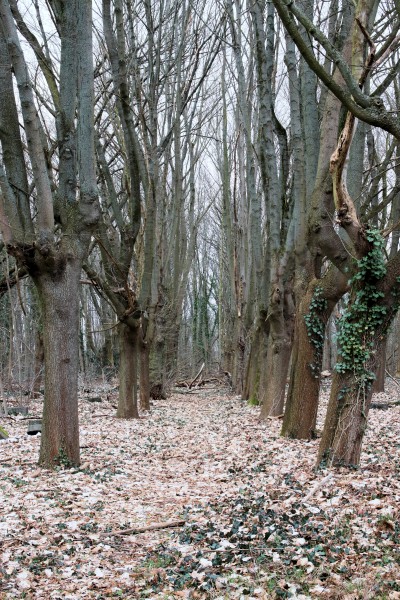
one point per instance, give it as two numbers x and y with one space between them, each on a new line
312 316
346 419
362 335
59 298
51 254
128 351
302 401
276 370
164 352
145 342
279 347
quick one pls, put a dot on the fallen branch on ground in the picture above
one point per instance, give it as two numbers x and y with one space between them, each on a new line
197 376
384 405
135 530
316 487
185 391
19 418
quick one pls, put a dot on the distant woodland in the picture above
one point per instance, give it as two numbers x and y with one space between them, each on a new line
194 189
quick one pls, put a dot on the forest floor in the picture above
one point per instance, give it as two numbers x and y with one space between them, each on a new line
255 520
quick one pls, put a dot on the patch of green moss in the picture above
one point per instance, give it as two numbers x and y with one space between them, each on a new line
3 433
253 401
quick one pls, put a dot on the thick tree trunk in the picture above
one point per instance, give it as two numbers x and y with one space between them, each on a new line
128 346
144 376
312 316
379 383
279 326
234 350
252 378
345 422
59 298
276 370
238 367
302 400
362 337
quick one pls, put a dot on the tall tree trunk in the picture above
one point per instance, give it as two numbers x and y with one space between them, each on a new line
345 422
39 362
302 401
379 383
144 373
171 350
312 316
59 298
53 260
107 349
363 327
253 367
279 347
276 370
128 346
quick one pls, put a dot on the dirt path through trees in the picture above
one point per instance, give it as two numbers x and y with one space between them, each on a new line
238 487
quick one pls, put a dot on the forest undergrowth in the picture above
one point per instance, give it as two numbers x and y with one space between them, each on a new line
253 519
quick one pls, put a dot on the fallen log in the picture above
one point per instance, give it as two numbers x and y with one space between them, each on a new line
197 376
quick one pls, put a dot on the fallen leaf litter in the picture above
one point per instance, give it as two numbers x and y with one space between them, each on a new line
220 506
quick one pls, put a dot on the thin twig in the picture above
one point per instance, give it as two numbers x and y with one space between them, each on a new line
392 378
104 415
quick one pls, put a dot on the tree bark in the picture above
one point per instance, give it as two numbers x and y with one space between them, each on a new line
345 422
363 327
302 400
278 359
379 383
128 346
252 378
51 254
312 316
39 362
144 375
279 347
59 298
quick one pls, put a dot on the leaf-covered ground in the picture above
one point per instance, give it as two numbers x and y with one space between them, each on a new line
257 521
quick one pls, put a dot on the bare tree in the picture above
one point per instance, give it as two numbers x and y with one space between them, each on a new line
374 284
47 226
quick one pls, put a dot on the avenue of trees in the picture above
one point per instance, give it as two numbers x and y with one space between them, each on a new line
185 182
